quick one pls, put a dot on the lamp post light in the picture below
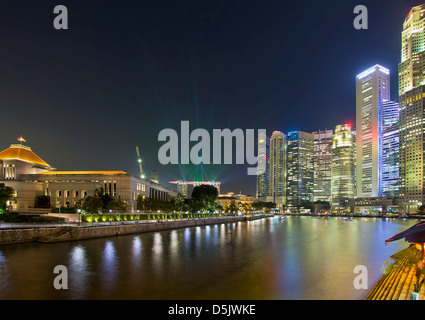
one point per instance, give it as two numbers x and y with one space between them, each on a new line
79 217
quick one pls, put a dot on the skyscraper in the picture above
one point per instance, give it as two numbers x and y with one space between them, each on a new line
390 148
322 165
264 178
411 99
411 68
372 88
300 175
277 173
342 168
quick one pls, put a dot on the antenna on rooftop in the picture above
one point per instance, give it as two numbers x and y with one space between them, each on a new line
139 160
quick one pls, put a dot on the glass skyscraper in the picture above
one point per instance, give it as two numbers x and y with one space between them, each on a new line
411 72
264 166
322 165
372 88
390 148
300 174
342 168
277 173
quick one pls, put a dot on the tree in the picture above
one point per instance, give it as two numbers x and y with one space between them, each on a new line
5 194
42 202
153 205
265 206
104 197
101 201
320 205
232 208
205 192
92 204
204 198
179 202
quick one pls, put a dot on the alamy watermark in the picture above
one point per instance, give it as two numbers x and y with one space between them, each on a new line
222 147
61 280
360 282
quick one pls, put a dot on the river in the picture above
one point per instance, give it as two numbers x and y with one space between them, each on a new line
303 258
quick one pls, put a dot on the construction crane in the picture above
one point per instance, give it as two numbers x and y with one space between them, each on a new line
139 160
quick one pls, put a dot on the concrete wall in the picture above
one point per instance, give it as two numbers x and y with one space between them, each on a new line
79 233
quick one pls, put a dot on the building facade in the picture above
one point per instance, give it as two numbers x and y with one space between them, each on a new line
30 177
372 88
322 165
390 148
411 98
342 168
277 173
263 179
300 174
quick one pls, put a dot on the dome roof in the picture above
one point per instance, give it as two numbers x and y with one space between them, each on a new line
23 153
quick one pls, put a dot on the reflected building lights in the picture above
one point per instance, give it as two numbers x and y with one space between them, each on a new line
78 270
136 249
4 275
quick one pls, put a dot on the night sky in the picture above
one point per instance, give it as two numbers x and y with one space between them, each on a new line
124 70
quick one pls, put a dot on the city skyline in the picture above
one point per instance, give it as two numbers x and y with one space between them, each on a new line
123 80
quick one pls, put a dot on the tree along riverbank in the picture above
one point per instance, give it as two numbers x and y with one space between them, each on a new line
71 233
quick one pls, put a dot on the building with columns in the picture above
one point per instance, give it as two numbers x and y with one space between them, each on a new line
30 177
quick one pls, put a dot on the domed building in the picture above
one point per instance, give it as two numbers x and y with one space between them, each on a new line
30 176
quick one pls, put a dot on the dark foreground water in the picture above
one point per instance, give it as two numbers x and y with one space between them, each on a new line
298 258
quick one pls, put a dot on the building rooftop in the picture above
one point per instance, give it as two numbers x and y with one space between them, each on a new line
56 172
23 153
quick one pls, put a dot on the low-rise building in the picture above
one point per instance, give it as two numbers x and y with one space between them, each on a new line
226 199
30 177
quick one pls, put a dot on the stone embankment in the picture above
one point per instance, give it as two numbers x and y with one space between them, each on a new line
57 234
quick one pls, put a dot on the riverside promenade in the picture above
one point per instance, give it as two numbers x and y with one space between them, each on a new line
397 283
74 232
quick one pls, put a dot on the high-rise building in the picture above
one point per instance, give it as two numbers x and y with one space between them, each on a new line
277 173
353 133
342 168
411 98
322 164
263 168
390 148
300 174
412 68
372 88
182 188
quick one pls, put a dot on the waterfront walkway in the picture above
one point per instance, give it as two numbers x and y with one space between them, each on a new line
397 283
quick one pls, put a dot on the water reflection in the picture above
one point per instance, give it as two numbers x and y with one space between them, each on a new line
78 271
136 250
109 267
298 258
4 276
157 253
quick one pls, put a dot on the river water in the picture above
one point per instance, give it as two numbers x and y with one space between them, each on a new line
298 258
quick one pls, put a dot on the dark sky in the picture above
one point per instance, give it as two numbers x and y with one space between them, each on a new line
124 70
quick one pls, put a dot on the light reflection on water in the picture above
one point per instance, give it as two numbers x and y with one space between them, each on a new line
298 258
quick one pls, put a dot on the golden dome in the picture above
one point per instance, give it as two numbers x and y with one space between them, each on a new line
23 153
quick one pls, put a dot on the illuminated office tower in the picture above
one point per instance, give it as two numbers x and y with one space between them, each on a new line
411 98
182 188
342 168
390 148
411 69
353 133
372 88
277 173
300 174
263 166
322 165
